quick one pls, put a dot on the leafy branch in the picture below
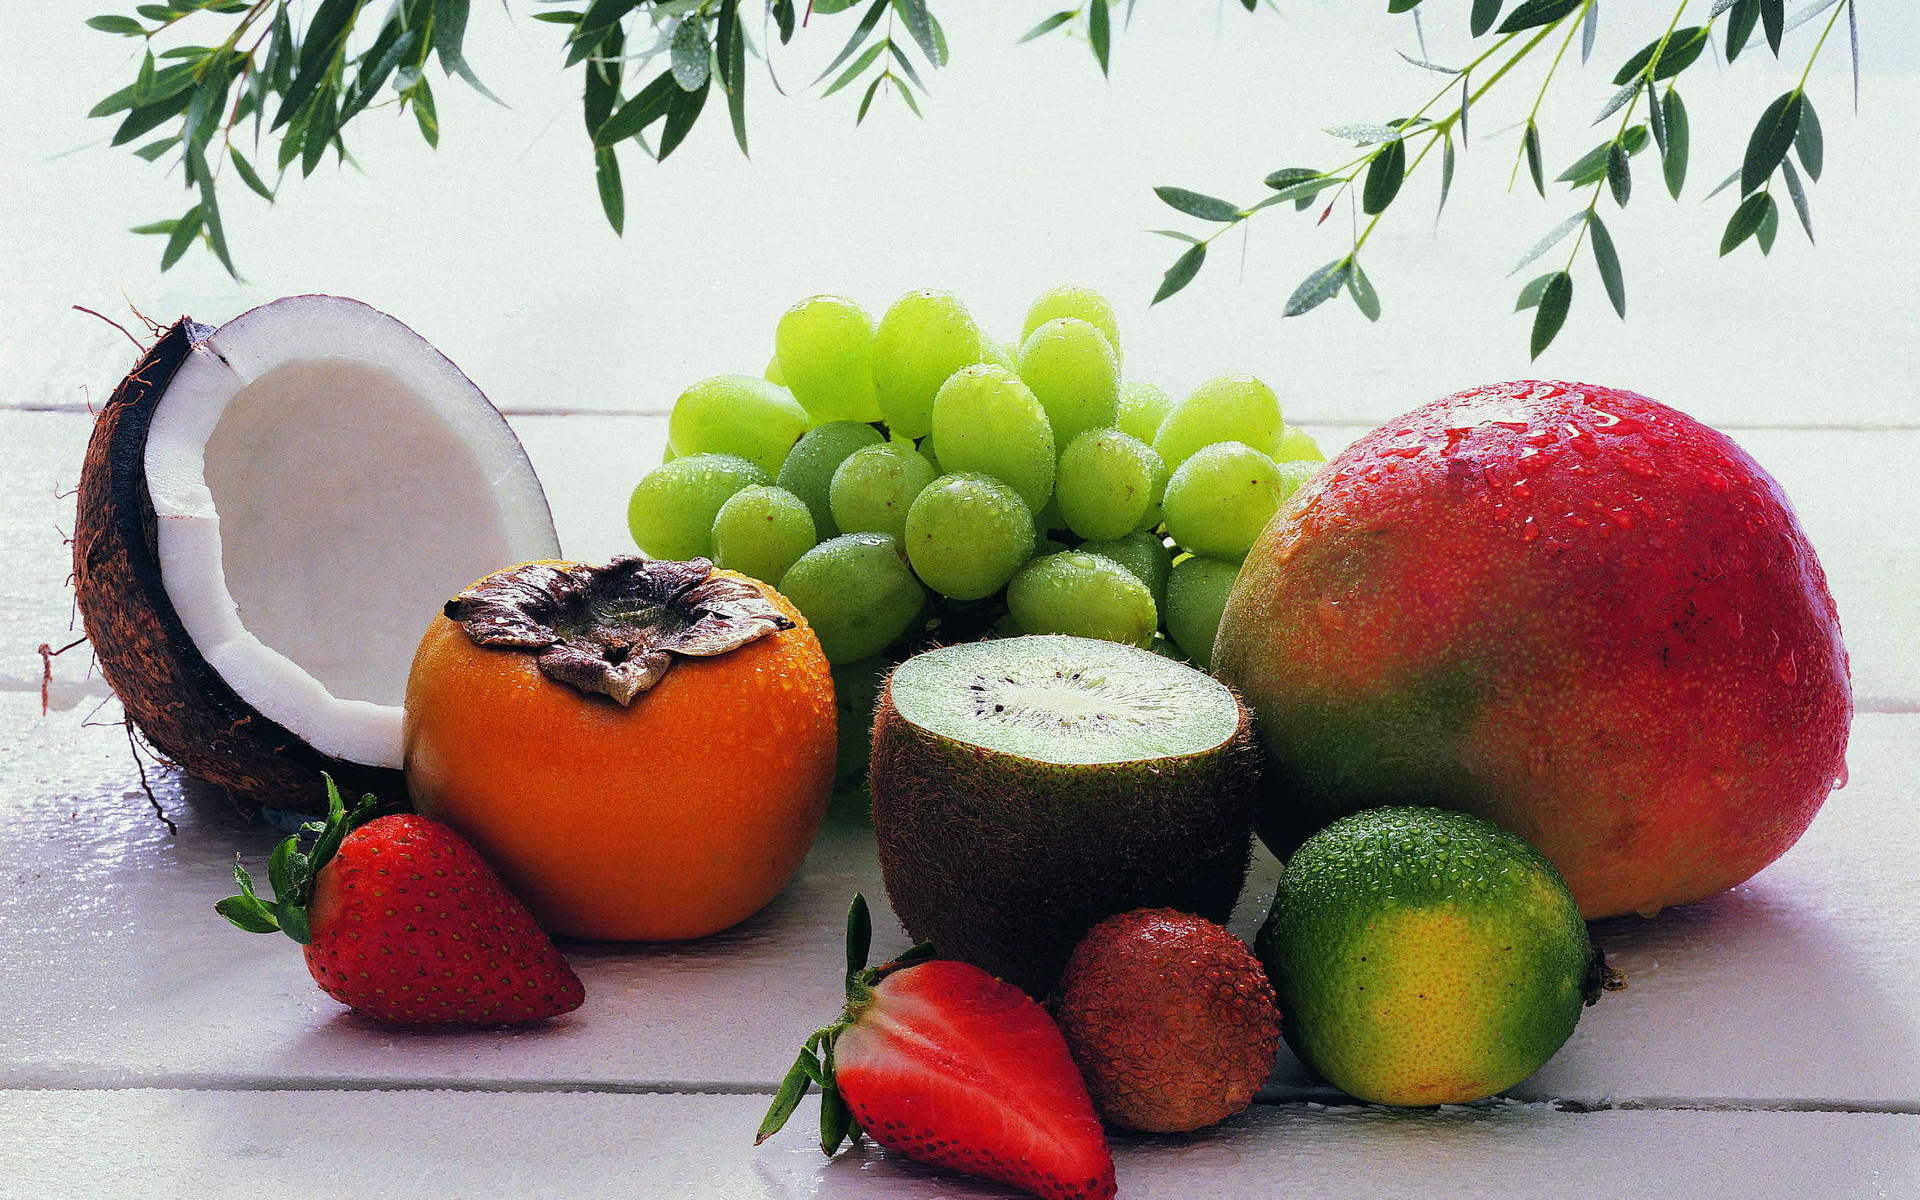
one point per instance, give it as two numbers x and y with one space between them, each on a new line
649 67
1390 152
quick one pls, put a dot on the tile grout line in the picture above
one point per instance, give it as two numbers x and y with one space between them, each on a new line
1307 1098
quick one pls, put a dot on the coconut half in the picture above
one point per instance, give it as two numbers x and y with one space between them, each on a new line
271 514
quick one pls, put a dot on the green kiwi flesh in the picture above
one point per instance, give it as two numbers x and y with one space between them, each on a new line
1026 788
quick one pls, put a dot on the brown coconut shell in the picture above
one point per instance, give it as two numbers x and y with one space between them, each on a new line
186 710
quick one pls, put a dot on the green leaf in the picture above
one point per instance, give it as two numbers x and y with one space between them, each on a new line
906 94
1745 221
1619 174
648 105
326 34
1773 17
1808 140
859 936
424 112
1181 273
153 227
1287 177
919 23
1555 299
875 11
1740 23
1798 195
1607 259
1400 6
184 232
1772 138
692 54
733 60
1384 177
866 101
247 913
248 175
682 112
110 23
793 1089
1674 162
1047 26
1530 142
1485 12
1530 294
1364 297
1446 176
1196 204
606 176
866 59
153 150
1551 239
1367 135
148 117
1319 287
1682 48
1768 229
1589 31
835 1120
1097 32
1534 13
1591 167
449 38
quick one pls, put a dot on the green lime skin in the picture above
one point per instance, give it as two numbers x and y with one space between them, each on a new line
1423 956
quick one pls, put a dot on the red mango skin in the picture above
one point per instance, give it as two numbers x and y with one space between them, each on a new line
1572 610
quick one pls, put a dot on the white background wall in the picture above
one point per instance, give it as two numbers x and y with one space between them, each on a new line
1029 170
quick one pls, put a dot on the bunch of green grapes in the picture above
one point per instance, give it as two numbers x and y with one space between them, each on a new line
914 479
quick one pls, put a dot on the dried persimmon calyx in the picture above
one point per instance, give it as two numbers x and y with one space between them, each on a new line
615 630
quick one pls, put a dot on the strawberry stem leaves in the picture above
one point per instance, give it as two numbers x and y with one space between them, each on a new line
292 871
813 1067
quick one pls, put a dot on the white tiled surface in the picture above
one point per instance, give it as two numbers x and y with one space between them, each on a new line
1769 1042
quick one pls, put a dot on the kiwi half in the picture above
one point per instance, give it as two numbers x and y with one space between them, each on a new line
1026 788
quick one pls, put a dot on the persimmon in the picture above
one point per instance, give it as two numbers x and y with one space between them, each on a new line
643 750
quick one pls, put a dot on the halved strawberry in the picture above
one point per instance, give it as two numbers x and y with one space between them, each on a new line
942 1062
404 922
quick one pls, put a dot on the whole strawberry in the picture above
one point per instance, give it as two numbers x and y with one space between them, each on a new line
404 922
942 1062
1171 1019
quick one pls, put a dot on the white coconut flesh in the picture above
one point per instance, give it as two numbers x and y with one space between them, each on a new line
323 481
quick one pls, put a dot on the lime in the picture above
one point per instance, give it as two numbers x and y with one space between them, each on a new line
1423 956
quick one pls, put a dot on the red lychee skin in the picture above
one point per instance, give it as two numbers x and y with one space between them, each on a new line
1569 609
1171 1019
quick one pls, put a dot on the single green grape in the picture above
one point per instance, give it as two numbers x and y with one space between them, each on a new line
760 531
873 489
1297 445
808 471
671 510
1071 367
925 337
988 422
1108 483
1141 408
967 535
1048 519
1294 476
1084 595
1230 408
737 414
1145 555
1196 596
773 374
857 592
824 346
1069 301
1219 499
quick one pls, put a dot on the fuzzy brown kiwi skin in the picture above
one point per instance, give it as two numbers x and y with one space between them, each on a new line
186 710
982 854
